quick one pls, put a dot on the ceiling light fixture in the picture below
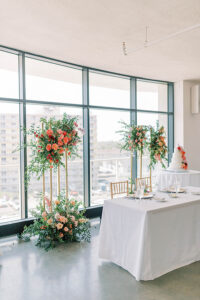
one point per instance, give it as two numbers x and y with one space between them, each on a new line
148 44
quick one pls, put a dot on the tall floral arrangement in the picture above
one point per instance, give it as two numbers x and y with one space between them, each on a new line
134 138
50 141
157 146
61 220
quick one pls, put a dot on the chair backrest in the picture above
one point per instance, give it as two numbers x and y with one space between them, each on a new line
118 188
146 181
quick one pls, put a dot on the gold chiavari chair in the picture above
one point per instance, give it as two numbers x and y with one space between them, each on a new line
118 188
145 181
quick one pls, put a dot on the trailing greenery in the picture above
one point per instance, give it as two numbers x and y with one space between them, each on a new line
66 223
157 146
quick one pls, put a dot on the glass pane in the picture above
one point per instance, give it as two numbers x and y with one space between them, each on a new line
109 91
107 163
151 119
50 82
9 162
151 96
9 85
75 167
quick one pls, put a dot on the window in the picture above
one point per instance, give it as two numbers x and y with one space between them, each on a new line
51 82
107 162
151 96
10 171
53 88
106 90
9 87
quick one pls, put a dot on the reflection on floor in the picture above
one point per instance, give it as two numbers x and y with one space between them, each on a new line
73 271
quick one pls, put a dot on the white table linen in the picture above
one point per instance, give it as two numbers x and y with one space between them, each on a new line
149 238
187 178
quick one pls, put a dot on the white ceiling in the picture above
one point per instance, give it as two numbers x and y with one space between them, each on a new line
91 32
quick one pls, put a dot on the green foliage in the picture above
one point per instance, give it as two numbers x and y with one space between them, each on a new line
66 223
157 147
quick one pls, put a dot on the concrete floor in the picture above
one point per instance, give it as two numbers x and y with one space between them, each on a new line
73 271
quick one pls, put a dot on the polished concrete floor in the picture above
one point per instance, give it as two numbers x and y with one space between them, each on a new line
73 271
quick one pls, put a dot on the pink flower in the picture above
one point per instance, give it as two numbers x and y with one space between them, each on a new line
61 235
72 218
47 201
49 132
57 216
59 226
48 147
136 140
75 124
59 131
62 219
44 214
137 133
76 223
66 229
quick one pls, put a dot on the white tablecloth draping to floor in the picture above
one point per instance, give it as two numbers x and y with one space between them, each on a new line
150 238
187 178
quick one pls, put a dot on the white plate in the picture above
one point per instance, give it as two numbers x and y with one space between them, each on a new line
145 196
196 193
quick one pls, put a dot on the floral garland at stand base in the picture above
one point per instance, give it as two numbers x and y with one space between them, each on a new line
184 164
66 223
133 139
157 147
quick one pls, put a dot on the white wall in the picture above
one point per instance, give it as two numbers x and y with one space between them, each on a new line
187 125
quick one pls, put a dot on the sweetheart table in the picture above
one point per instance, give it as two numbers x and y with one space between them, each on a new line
150 238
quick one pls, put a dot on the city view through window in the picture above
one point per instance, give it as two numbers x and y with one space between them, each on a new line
109 103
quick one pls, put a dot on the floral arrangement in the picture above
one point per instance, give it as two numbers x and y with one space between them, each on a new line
157 146
134 138
184 164
66 223
49 143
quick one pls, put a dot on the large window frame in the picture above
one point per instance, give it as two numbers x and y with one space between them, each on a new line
22 100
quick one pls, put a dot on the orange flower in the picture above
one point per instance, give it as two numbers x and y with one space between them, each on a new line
49 221
61 151
66 229
160 144
66 140
70 226
69 153
51 167
60 143
59 226
70 232
72 202
48 147
49 132
61 234
57 202
55 147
